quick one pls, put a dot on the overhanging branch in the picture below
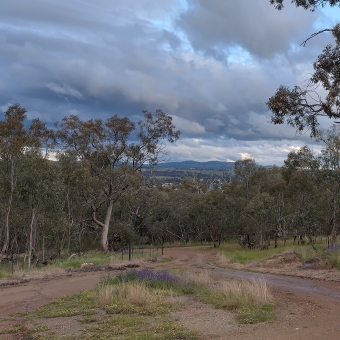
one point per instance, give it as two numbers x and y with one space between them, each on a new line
315 34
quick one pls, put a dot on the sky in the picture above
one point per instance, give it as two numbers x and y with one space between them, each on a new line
210 64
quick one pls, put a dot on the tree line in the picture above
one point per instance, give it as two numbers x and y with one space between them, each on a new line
94 194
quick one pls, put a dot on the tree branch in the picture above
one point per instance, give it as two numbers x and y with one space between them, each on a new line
315 34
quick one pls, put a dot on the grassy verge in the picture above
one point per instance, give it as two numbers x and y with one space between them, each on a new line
139 305
58 265
234 253
250 299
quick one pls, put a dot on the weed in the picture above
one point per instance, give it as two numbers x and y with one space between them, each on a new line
23 313
89 319
27 333
258 314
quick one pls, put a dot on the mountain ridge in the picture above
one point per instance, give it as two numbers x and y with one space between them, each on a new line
210 165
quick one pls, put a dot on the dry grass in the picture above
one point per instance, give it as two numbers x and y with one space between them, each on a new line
134 293
243 293
133 297
222 259
202 277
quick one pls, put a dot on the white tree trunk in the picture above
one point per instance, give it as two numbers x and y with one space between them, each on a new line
105 225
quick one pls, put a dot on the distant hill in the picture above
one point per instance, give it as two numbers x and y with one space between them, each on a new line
211 165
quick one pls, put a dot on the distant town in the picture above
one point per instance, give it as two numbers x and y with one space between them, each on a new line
214 172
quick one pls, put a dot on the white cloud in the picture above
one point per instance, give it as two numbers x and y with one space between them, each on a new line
45 117
187 126
64 89
245 155
264 152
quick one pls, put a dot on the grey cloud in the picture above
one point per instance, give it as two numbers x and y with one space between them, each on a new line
123 56
214 25
214 124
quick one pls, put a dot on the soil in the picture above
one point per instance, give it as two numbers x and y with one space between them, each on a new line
308 296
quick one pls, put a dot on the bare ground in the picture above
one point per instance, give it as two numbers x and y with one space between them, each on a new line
308 298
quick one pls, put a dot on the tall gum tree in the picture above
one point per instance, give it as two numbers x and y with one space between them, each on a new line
16 137
113 153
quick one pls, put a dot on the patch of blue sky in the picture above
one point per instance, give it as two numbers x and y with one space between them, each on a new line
167 20
237 54
332 13
329 17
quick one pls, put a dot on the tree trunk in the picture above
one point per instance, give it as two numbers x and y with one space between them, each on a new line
5 245
30 246
105 225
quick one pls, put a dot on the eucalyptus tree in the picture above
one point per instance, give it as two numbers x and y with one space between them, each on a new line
112 153
330 165
73 179
271 182
180 223
245 170
40 189
260 215
218 215
158 221
302 174
302 106
16 138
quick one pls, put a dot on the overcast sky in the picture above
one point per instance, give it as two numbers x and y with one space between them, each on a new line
211 64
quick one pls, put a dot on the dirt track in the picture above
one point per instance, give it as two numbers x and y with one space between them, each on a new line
309 309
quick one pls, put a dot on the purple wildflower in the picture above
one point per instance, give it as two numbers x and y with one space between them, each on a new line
149 275
334 248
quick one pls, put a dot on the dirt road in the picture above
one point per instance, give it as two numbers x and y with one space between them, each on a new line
309 309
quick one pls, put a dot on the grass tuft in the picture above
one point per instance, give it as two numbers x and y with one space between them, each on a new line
244 294
132 297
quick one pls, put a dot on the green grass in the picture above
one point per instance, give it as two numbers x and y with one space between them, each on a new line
262 313
333 259
25 332
78 304
5 271
234 253
137 327
99 259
